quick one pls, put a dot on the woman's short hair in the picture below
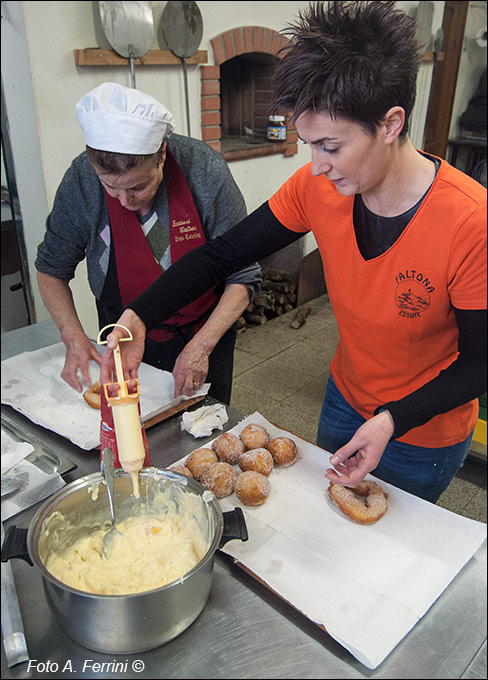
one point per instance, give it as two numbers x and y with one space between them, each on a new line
117 163
353 59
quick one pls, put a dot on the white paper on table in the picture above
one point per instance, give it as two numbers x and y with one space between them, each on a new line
38 485
32 385
13 452
366 585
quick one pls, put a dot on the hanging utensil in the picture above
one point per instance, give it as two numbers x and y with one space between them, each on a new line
182 29
129 28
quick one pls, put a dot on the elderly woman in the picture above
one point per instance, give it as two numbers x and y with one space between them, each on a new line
402 236
133 203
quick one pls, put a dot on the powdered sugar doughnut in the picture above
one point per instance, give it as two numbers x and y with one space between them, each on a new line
252 488
228 448
255 436
182 469
199 460
283 450
368 511
260 460
220 478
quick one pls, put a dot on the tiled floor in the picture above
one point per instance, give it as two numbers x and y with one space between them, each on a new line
282 373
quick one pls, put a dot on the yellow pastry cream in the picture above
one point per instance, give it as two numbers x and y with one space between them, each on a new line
162 539
151 553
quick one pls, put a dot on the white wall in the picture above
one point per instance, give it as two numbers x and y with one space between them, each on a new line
42 85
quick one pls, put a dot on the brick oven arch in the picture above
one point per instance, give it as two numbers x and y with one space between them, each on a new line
246 39
227 45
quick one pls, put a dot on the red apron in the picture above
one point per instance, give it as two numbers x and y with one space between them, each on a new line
137 269
136 266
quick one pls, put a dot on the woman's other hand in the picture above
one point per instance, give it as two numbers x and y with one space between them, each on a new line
191 368
362 453
79 352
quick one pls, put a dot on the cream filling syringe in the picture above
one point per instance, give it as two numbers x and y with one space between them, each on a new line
125 411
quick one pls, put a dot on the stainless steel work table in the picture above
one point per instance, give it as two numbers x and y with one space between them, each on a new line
244 631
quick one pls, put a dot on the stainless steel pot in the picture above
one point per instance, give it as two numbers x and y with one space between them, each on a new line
123 624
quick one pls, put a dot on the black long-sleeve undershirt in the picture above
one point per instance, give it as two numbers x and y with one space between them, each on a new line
254 238
462 381
260 235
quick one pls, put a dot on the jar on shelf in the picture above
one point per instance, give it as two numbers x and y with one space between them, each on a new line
276 131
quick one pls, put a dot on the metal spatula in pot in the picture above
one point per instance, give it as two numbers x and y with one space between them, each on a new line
108 473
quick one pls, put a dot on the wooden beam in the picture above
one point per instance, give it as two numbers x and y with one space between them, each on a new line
444 82
94 56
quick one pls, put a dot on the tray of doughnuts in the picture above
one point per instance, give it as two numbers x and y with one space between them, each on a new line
240 462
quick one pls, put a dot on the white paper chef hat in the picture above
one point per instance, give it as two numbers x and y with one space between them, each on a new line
124 120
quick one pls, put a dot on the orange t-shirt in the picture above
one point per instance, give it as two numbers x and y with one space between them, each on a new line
395 316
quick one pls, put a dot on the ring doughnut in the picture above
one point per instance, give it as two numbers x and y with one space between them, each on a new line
92 395
368 511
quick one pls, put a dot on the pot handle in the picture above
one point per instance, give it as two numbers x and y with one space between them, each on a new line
15 545
234 526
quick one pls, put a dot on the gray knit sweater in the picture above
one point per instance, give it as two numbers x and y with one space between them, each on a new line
77 226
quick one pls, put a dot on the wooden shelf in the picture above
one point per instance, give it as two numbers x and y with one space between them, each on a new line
94 56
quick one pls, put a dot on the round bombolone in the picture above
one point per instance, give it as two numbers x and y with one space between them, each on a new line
252 488
220 479
182 470
283 450
228 448
199 460
259 460
255 436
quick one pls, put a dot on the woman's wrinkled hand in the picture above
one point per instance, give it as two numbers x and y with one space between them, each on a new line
79 353
353 461
190 369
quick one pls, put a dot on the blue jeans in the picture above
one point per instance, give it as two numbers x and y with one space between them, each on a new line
424 472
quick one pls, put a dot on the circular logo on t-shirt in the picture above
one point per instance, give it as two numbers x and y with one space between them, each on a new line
412 297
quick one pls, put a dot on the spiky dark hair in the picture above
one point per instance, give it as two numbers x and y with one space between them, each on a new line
353 59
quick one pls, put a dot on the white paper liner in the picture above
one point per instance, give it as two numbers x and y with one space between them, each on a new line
366 585
13 452
37 486
32 385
